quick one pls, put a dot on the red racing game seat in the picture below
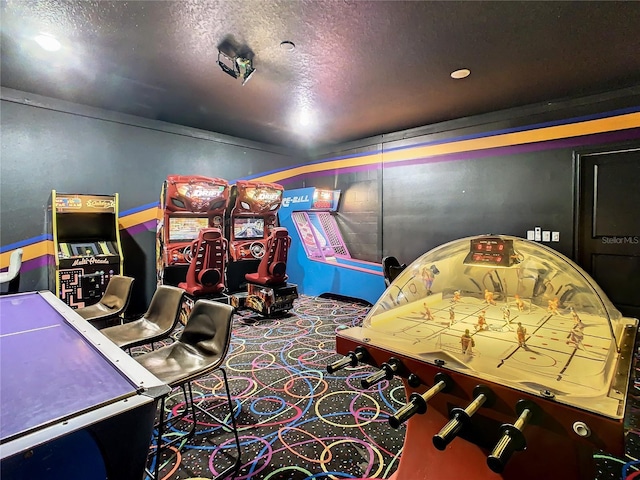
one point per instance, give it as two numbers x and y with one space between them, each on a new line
206 270
273 266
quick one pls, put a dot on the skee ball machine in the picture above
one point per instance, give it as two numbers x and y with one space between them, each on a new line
320 261
252 219
515 363
188 203
86 242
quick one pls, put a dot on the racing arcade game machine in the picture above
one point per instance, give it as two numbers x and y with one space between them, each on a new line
190 236
189 204
515 363
86 242
258 250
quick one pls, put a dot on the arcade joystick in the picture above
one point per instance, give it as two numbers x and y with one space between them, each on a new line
351 359
418 402
460 418
387 371
512 438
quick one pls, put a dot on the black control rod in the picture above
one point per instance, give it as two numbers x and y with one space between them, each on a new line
459 417
512 438
418 401
387 371
351 359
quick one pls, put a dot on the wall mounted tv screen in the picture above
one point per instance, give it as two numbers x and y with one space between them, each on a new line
249 228
186 229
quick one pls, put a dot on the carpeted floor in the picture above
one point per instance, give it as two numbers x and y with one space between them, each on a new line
298 422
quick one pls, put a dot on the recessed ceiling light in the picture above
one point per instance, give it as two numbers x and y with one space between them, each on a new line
48 42
462 73
287 46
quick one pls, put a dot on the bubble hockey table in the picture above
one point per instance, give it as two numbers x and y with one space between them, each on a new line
515 363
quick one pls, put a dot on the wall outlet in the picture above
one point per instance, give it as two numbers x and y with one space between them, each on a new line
546 236
530 235
537 236
555 236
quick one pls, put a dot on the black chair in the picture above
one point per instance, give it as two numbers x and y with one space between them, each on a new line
156 324
200 350
12 275
112 305
391 268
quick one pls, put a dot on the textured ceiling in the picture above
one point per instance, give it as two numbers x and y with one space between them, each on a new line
360 68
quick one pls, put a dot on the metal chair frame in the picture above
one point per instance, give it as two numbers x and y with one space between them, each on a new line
190 408
207 334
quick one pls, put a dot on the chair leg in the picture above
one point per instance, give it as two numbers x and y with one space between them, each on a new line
160 445
191 407
233 429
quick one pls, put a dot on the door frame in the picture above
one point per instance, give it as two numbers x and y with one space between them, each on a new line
578 162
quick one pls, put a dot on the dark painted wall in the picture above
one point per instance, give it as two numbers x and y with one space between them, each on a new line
47 144
425 205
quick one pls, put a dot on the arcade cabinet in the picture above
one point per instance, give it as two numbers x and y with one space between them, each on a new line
320 261
258 250
515 363
189 204
190 247
86 242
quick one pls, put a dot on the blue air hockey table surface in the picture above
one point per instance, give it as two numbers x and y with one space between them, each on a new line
72 404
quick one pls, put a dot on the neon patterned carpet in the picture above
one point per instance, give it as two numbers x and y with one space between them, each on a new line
298 422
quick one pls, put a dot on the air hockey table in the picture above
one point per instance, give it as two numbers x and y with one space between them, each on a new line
515 363
72 404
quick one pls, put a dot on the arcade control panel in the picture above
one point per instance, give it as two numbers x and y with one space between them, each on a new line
248 250
251 248
86 249
178 255
513 359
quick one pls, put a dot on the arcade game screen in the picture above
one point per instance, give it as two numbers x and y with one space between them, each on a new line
506 310
249 228
85 249
185 229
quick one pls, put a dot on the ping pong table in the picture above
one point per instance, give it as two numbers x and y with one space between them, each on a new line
72 404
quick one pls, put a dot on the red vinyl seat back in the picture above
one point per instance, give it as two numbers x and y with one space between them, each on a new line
273 266
207 267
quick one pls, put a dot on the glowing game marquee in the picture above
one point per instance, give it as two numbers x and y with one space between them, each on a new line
195 193
257 197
